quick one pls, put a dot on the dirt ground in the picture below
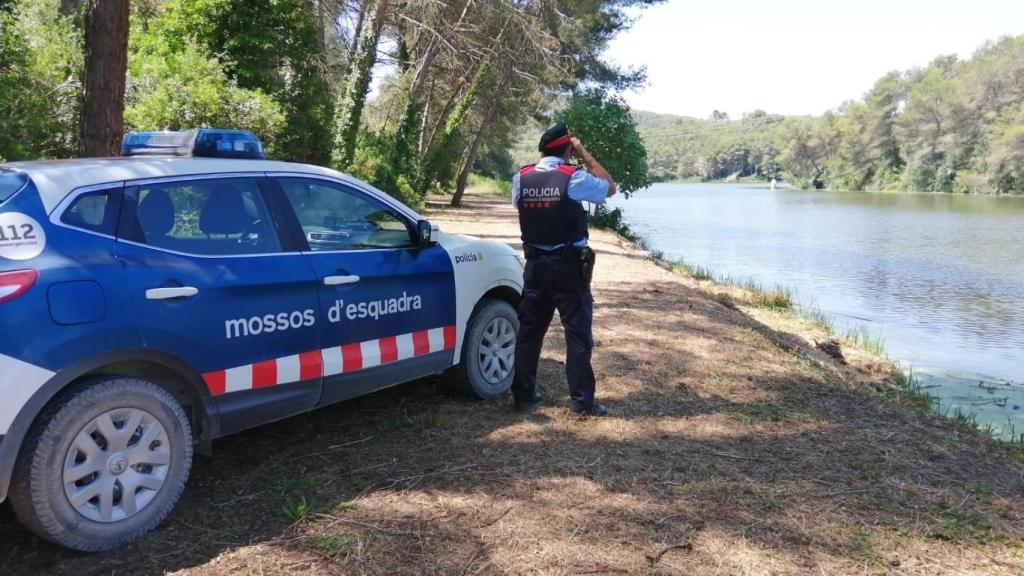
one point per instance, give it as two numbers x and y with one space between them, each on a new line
734 447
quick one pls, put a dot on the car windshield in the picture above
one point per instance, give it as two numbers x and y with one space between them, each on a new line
10 182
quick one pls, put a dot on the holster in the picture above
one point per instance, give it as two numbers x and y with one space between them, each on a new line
587 259
585 256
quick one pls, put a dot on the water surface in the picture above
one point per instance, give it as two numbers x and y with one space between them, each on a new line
940 278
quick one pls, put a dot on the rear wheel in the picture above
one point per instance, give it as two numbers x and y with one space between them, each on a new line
103 465
489 350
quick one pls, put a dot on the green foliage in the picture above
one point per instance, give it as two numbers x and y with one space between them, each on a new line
290 71
682 148
439 165
15 79
40 67
777 298
487 186
809 145
404 154
1006 161
373 162
336 544
350 110
604 125
862 338
183 88
613 220
270 46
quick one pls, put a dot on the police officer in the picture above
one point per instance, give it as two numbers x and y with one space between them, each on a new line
559 264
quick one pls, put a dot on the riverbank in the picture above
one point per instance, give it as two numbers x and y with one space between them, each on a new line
735 446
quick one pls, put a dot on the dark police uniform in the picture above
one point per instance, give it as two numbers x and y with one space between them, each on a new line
553 223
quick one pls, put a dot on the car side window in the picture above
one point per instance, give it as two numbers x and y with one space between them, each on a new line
334 217
209 217
95 211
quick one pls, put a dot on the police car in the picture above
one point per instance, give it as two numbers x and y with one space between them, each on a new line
192 289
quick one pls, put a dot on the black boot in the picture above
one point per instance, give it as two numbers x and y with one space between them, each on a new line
528 405
597 410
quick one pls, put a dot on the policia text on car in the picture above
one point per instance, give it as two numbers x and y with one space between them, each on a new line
559 264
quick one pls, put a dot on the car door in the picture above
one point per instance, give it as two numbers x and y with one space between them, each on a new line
387 300
212 281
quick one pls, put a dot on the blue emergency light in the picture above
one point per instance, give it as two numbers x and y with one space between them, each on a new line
203 142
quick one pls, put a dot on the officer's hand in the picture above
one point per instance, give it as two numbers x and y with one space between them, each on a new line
577 146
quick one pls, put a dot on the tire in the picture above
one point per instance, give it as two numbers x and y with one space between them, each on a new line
493 321
70 479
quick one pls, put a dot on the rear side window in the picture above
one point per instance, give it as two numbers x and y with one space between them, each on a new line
209 217
94 211
10 183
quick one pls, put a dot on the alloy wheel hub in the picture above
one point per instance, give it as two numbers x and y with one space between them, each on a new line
497 350
116 465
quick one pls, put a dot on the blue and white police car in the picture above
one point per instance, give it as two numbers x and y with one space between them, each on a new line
192 289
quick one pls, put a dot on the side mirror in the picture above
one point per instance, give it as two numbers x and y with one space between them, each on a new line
427 232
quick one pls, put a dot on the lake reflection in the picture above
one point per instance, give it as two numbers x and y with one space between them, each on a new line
939 277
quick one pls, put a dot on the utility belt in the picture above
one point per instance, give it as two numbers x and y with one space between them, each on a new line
532 251
584 255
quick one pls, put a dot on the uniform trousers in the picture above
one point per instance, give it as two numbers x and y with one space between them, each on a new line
556 281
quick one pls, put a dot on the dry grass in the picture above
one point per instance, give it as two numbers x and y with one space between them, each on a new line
735 448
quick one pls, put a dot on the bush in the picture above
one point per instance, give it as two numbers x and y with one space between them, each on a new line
184 89
40 64
613 220
480 184
373 162
971 182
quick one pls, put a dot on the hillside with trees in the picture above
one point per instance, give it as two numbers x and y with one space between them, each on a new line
953 126
408 95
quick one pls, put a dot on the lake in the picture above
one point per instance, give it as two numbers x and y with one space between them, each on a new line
940 278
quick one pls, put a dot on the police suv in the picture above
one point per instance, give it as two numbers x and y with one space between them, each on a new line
192 289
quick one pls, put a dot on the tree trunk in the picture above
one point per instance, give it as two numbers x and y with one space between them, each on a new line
321 25
433 167
474 148
350 112
422 68
424 118
106 63
358 29
442 118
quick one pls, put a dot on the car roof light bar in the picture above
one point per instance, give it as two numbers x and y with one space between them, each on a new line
202 142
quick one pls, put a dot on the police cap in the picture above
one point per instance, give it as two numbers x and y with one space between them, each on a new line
554 138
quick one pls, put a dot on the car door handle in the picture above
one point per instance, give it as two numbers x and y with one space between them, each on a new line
167 293
339 280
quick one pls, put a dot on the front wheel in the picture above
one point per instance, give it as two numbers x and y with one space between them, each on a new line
489 350
103 465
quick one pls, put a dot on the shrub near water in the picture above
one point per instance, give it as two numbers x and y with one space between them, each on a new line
776 298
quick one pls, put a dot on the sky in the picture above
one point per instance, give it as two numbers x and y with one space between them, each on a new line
794 56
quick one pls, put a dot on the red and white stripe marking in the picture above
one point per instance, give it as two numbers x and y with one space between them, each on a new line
330 361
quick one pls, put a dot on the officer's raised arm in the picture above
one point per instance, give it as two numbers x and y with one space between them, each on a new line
592 165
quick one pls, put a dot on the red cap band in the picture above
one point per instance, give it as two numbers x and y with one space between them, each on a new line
557 142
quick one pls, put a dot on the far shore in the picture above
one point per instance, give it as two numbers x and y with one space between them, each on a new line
788 186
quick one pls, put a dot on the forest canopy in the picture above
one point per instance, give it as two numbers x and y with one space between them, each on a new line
407 94
953 126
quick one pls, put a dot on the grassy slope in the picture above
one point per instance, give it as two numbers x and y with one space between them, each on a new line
734 448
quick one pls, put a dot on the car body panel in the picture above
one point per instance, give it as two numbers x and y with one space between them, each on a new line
479 266
88 307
